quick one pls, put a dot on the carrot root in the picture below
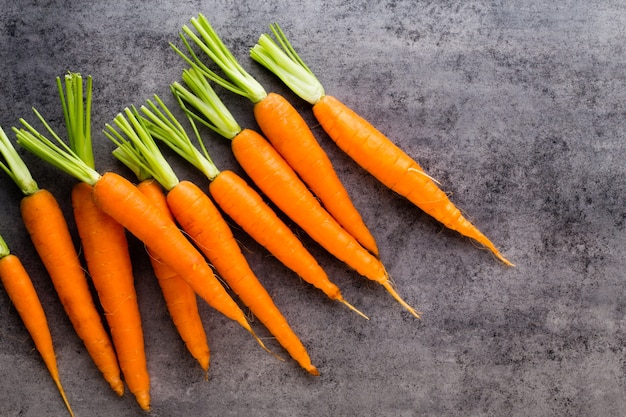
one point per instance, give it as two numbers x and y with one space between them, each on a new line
353 308
387 285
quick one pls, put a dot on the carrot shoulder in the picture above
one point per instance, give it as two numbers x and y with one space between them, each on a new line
367 146
23 295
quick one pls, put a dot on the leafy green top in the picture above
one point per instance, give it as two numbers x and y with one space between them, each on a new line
15 166
77 112
4 248
284 62
139 152
239 81
210 110
164 126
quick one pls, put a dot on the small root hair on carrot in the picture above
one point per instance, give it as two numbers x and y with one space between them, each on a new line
419 171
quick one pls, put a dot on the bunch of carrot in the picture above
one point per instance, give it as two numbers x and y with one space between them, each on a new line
285 162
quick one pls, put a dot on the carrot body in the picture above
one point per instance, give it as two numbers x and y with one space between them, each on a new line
48 230
123 201
246 207
280 183
289 133
106 251
373 151
22 293
179 296
201 219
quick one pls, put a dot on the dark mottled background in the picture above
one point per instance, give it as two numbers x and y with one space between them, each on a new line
517 108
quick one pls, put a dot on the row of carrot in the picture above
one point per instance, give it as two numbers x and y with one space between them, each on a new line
183 227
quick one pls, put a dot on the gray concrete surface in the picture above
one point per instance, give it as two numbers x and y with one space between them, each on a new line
517 108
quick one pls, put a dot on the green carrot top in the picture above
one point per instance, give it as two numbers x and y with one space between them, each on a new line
4 248
137 149
77 158
284 62
15 167
241 82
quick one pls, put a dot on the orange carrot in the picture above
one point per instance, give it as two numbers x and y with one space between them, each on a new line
120 199
242 203
371 149
202 221
105 249
51 237
273 175
179 296
23 295
284 128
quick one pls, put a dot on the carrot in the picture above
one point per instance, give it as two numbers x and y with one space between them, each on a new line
273 175
370 148
179 296
238 200
105 248
201 219
50 235
120 199
284 128
23 295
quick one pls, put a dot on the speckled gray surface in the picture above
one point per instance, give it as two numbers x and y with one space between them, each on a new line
517 108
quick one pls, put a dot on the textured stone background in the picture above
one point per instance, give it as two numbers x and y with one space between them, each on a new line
518 108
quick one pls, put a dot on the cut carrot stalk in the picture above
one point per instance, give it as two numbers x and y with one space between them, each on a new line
105 248
273 175
23 295
122 200
238 200
366 145
51 237
283 127
202 221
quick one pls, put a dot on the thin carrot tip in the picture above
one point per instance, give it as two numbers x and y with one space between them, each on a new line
353 308
403 303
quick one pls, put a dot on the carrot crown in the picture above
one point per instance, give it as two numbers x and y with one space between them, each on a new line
164 126
284 62
210 43
139 151
15 166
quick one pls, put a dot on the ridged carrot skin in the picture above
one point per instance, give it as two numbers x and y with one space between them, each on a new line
19 287
51 238
290 135
247 208
280 183
123 201
379 156
105 248
200 218
179 296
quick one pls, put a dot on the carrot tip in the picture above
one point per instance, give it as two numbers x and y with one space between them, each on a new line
313 371
65 400
403 303
353 308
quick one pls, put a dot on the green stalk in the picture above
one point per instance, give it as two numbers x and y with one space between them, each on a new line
77 112
138 150
281 59
4 248
241 82
164 126
208 108
15 167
